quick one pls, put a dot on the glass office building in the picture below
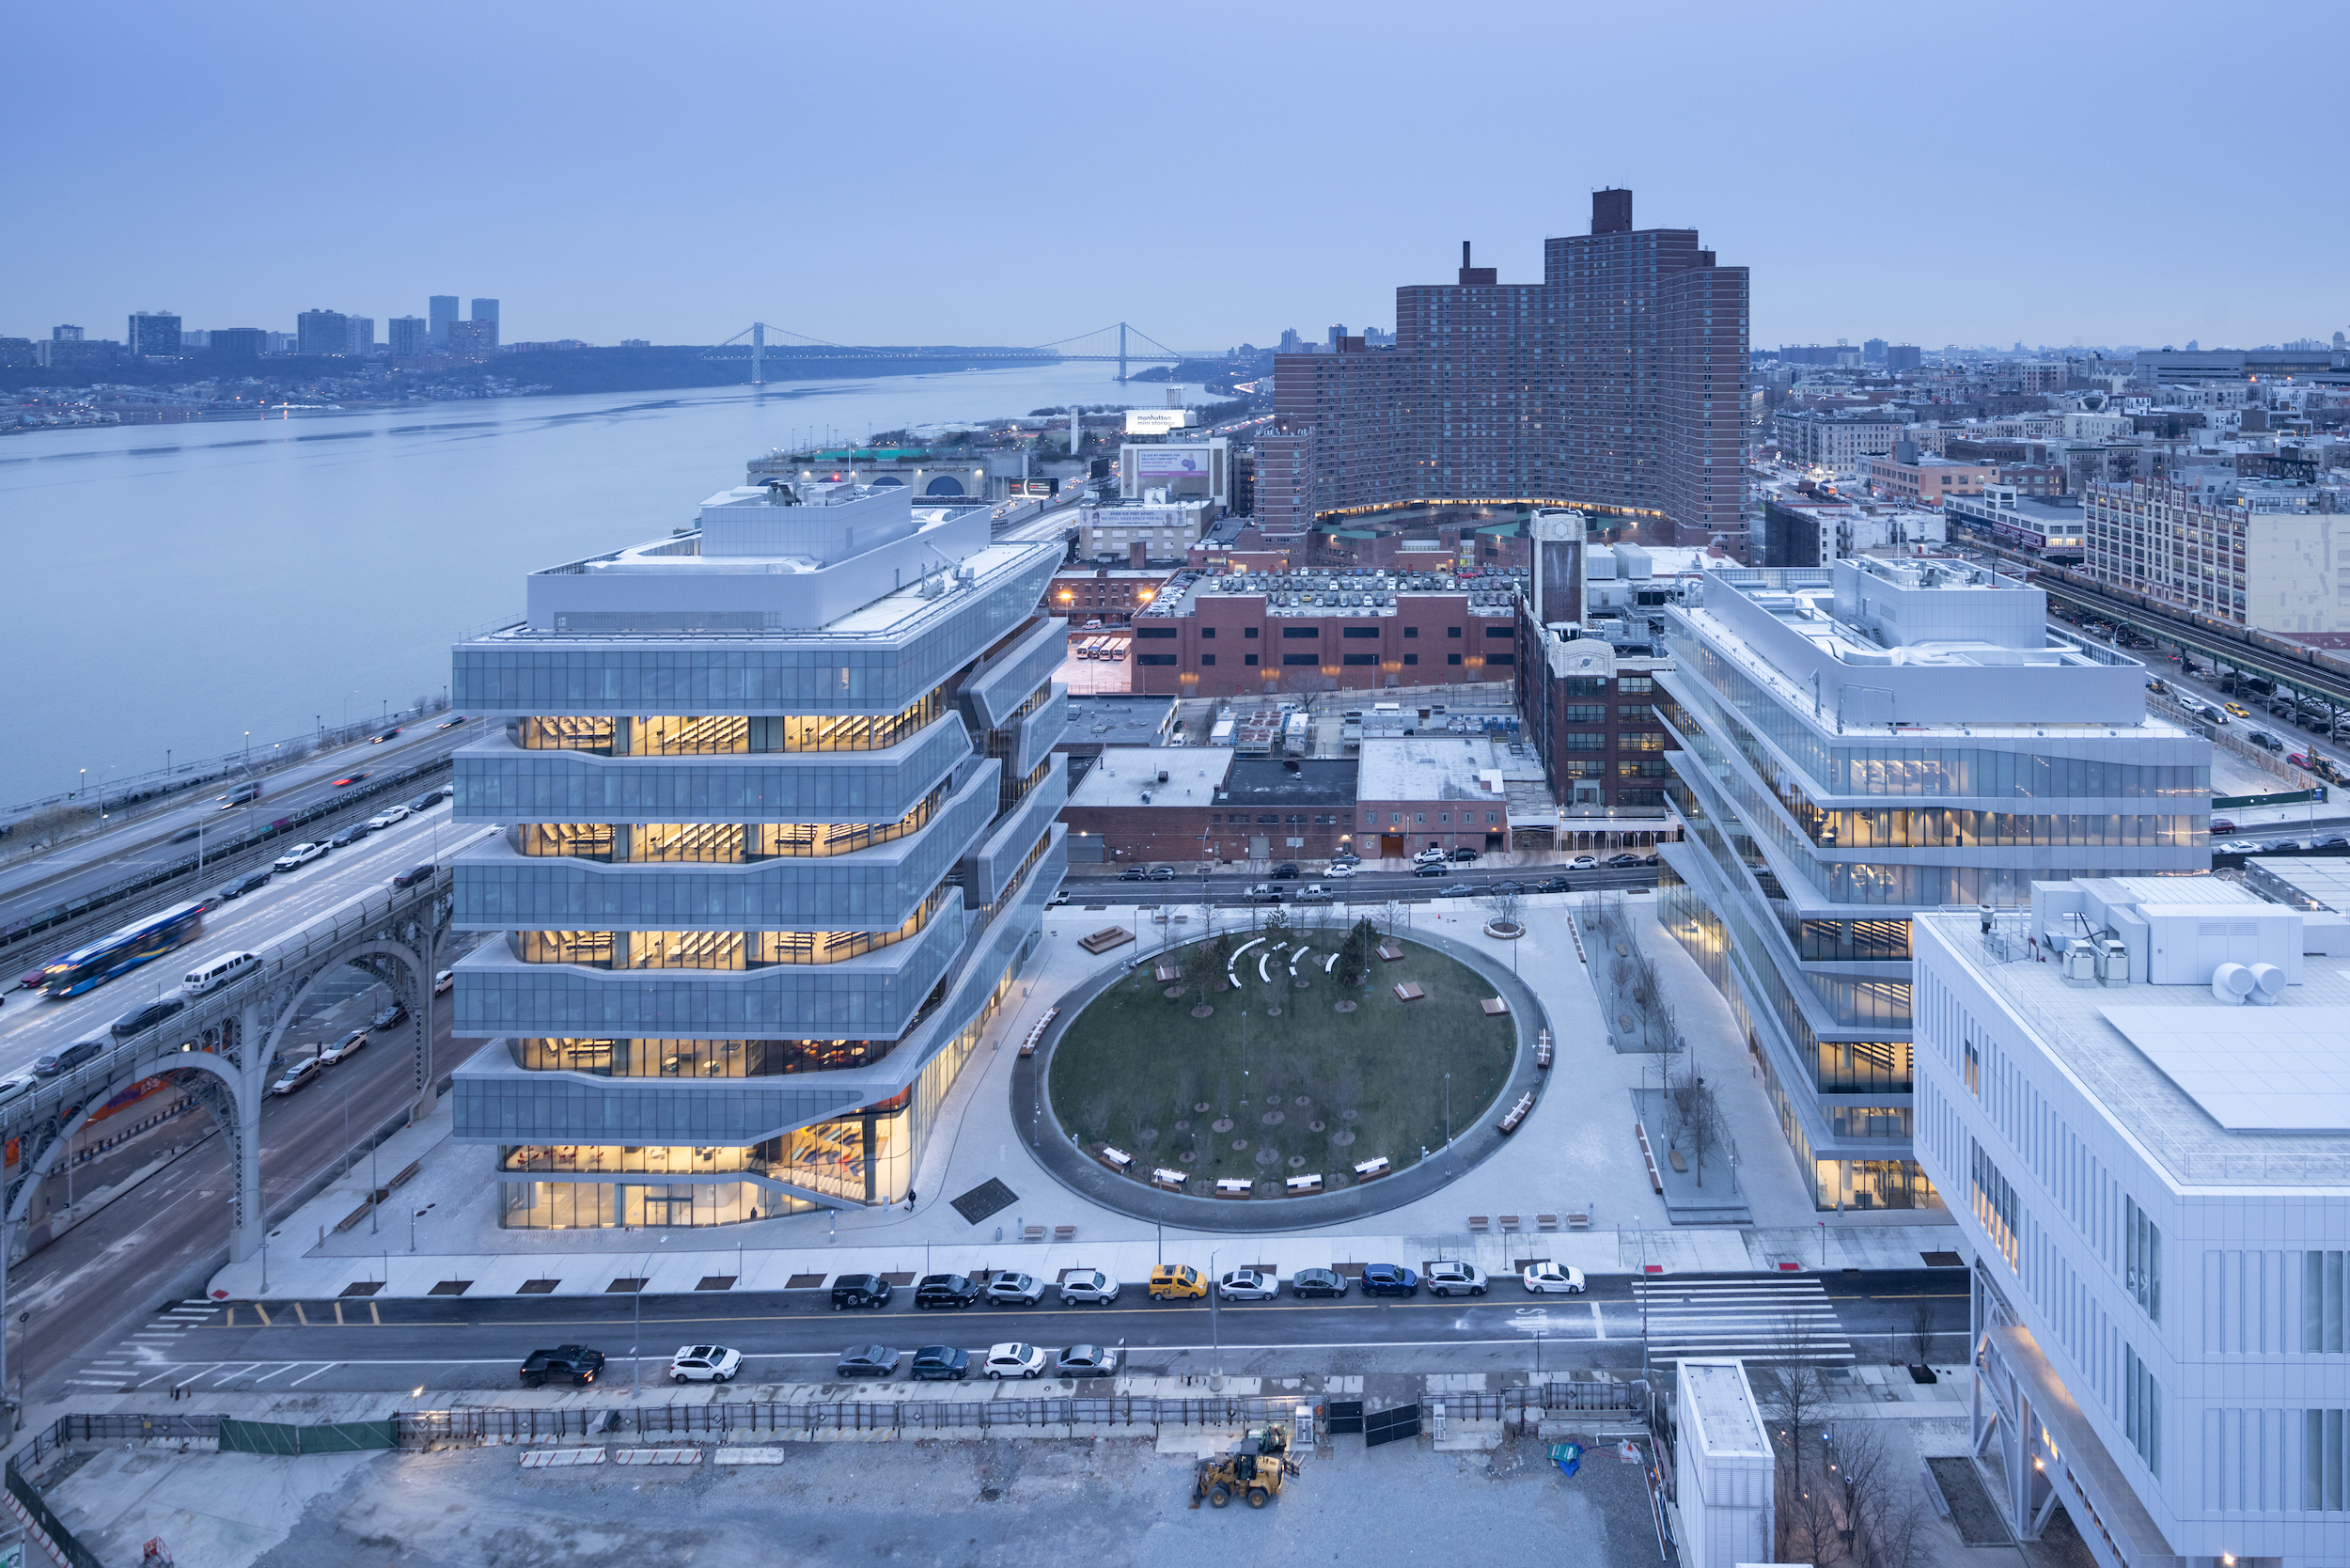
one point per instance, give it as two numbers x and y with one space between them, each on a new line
1860 741
776 803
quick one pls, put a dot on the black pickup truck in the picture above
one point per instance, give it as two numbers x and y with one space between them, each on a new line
577 1363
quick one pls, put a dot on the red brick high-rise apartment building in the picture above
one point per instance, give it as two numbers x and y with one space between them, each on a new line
1617 382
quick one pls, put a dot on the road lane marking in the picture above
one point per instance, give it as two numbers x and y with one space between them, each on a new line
324 1367
338 1312
1599 1322
303 1316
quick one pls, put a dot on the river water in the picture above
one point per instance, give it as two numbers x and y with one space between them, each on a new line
172 588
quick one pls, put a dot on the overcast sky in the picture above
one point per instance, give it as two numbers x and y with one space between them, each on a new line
1006 173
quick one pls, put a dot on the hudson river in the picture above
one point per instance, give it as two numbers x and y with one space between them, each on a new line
173 586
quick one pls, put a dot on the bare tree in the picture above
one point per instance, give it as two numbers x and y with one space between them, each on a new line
1793 1401
1502 906
50 824
1697 1119
1922 1330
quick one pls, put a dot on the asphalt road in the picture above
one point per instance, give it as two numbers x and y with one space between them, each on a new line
103 1279
794 1336
32 887
31 1023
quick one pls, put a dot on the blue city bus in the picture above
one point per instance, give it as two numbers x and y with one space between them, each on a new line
127 949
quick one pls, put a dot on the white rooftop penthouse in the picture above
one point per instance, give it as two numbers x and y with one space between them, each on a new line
2135 1098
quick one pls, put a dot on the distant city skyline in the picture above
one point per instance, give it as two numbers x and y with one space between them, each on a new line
684 229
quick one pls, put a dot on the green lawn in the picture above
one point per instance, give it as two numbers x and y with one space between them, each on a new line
1131 1068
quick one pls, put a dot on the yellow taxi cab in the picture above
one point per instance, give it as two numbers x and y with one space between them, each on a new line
1177 1283
2238 709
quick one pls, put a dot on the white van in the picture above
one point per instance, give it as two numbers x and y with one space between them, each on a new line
218 972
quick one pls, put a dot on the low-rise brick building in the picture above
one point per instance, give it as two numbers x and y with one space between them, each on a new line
1185 806
1108 593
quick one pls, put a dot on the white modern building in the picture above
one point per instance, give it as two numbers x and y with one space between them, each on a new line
1724 1470
1864 741
776 799
2137 1098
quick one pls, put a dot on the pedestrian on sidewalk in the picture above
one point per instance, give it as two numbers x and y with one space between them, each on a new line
909 1199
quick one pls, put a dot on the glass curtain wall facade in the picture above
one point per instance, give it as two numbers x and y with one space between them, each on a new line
1796 877
747 925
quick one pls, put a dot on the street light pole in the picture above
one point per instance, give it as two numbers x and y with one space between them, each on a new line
1244 1058
1215 1335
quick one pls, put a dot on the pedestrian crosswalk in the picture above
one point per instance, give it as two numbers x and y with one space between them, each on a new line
147 1354
1765 1320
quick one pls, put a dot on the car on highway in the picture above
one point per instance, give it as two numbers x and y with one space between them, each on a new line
383 735
390 1016
1177 1283
1455 1279
297 1076
2237 846
451 721
1437 868
1458 890
424 803
213 973
1015 1290
347 836
413 875
444 982
1248 1284
239 796
860 1290
343 1049
16 1084
1013 1359
1548 1279
1088 1287
1314 892
940 1364
1339 870
1584 863
187 834
387 817
140 1019
2238 709
574 1364
1318 1281
2279 846
2222 824
704 1364
298 856
252 882
1505 886
347 780
1086 1362
1389 1280
867 1361
1553 885
67 1059
945 1289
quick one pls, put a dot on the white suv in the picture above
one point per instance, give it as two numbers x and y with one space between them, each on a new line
1092 1286
704 1364
1455 1279
1015 1361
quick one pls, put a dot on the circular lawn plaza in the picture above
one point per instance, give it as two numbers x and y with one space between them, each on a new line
1180 1086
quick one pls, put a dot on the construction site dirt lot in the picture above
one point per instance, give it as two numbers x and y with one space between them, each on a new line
979 1502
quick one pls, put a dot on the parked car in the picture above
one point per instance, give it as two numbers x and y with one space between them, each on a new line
1086 1362
387 817
2237 846
347 836
1435 868
1285 871
1505 887
1389 1280
1584 863
1338 870
2264 740
140 1019
1015 1290
413 875
1162 873
1553 1280
2332 840
69 1059
2279 846
1455 1279
867 1361
1093 1286
343 1049
704 1364
1013 1359
940 1364
1177 1283
298 857
1458 890
944 1289
1430 853
1318 1281
1132 873
574 1364
860 1290
295 1076
2222 824
1465 854
1246 1284
252 882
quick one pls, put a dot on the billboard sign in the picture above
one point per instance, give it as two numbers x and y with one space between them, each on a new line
1162 465
1156 421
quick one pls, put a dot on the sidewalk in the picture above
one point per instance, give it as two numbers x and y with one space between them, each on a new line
1576 1152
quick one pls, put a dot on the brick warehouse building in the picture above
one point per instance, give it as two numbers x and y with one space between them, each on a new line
1185 805
1617 381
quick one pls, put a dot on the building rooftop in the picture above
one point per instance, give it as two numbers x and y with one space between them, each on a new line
2216 1093
1355 592
1443 767
1118 721
1136 776
1268 782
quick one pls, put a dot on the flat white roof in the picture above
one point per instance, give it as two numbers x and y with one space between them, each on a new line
1441 767
2251 1070
1126 773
